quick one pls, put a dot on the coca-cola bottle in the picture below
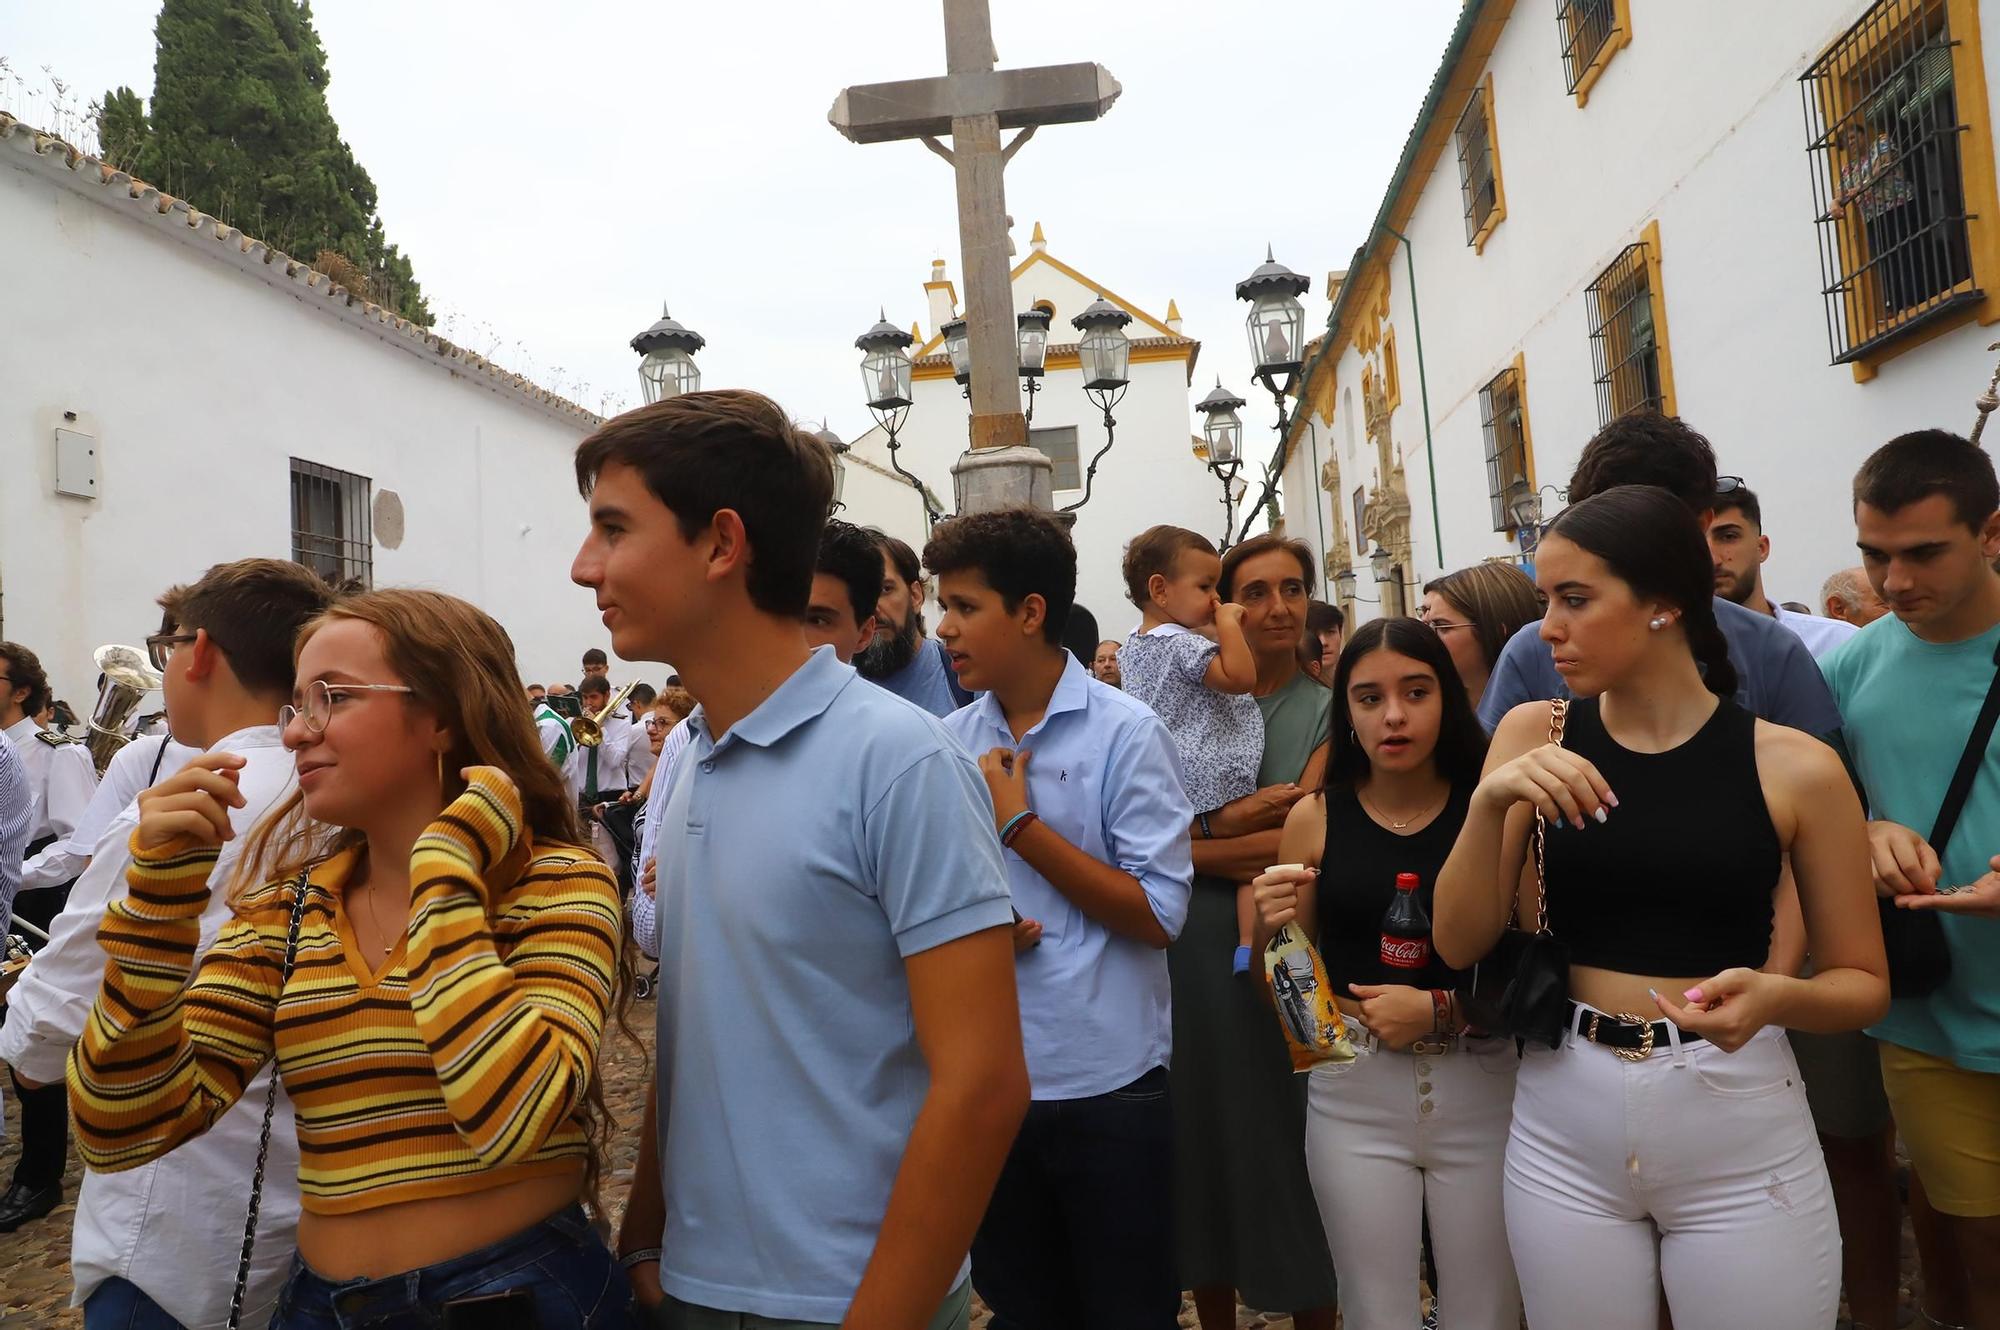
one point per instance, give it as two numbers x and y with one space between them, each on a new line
1406 928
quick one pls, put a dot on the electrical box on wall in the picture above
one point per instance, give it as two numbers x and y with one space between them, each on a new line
76 464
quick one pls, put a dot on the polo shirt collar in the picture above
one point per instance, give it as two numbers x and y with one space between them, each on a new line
1072 694
801 698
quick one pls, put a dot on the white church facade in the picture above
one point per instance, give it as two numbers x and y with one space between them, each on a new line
1783 229
178 394
1150 475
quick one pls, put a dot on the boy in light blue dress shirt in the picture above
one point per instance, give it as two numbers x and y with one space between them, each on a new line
1087 796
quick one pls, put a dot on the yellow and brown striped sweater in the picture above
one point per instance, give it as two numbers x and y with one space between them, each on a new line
461 1066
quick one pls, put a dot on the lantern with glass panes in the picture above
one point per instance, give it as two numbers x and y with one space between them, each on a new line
839 448
666 364
885 378
958 348
1277 328
1031 339
1104 353
1222 450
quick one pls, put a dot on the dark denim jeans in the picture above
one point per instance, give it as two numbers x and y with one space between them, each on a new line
1080 1231
119 1304
576 1282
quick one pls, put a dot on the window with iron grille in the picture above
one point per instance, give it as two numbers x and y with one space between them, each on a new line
1884 138
1058 442
1585 25
331 528
1477 182
1624 339
1502 414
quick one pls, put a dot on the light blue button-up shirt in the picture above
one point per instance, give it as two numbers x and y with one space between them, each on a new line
831 833
1095 1009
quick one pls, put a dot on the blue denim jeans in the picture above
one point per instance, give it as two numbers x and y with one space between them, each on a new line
575 1280
118 1304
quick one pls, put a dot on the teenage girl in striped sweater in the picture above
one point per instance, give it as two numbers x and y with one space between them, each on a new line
458 954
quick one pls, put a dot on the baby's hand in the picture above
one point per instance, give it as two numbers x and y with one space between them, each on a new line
1229 612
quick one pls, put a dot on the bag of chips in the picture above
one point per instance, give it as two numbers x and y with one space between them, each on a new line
1314 1030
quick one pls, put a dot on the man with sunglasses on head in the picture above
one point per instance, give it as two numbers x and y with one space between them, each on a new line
157 1246
1777 678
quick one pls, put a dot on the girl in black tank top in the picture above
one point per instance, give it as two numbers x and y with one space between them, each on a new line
1421 1114
1666 1140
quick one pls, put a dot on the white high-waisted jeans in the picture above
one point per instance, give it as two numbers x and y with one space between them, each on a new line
1384 1134
1696 1168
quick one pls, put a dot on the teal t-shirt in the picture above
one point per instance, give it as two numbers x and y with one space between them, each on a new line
1906 707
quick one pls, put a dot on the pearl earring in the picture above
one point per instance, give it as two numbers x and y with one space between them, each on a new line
1660 621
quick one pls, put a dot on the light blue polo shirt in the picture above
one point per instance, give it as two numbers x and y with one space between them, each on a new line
928 680
1095 1009
834 831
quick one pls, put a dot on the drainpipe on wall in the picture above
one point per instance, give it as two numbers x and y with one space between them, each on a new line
1423 390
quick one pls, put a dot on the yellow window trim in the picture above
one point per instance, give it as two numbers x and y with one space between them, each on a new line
1620 38
1392 372
1499 213
1527 434
1650 238
1982 193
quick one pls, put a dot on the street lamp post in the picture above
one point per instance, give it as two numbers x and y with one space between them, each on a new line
1276 325
1105 353
1524 506
885 378
666 365
1222 431
1032 341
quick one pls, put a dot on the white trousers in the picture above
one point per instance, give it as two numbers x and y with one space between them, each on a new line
1391 1134
1694 1168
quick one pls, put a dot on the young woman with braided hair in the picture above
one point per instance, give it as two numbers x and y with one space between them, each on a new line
1679 1150
457 954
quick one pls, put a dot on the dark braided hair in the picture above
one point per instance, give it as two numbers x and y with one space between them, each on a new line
1651 541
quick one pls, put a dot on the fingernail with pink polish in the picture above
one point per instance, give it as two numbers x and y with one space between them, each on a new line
1694 995
1600 815
1611 798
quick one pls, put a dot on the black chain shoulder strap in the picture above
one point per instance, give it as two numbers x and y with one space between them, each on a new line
270 1108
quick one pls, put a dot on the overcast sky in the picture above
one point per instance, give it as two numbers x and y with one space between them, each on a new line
555 172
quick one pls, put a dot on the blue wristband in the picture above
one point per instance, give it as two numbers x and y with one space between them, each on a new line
1013 822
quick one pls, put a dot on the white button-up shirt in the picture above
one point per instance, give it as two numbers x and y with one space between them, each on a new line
173 1227
17 819
145 761
61 780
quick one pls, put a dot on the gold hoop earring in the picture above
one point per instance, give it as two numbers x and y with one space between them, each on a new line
440 758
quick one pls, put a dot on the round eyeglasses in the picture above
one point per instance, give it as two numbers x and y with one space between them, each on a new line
320 697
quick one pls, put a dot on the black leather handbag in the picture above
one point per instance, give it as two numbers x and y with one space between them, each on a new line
1521 988
1919 957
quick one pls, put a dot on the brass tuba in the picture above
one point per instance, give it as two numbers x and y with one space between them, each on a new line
125 679
588 730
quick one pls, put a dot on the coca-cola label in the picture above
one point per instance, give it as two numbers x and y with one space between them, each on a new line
1406 953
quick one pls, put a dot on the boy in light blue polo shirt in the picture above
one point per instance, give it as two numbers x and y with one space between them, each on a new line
1088 798
839 1063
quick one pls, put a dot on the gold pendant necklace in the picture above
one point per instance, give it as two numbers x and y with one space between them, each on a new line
1394 825
388 944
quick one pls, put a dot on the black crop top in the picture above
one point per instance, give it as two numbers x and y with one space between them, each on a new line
1357 880
1678 879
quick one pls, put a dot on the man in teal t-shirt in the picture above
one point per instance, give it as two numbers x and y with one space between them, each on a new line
1909 688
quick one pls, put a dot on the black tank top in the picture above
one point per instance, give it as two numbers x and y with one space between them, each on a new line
1357 880
1678 879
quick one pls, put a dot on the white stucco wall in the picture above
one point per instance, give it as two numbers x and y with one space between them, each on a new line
200 377
1706 135
1150 475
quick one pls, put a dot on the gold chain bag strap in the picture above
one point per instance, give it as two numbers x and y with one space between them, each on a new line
1521 988
270 1107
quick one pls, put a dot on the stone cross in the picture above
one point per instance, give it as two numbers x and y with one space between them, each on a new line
972 103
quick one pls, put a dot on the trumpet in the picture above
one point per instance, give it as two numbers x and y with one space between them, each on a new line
127 678
588 730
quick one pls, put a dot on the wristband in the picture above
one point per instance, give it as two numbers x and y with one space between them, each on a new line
1440 1012
1017 824
641 1257
1206 833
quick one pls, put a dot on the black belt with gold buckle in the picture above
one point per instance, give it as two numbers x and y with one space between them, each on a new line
1625 1033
